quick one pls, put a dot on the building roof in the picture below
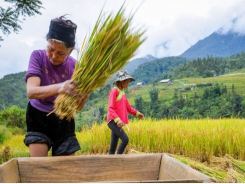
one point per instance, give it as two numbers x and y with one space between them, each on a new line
164 80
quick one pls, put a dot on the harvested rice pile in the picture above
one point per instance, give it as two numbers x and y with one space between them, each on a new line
111 44
220 169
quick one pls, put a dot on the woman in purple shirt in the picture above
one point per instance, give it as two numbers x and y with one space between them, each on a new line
49 73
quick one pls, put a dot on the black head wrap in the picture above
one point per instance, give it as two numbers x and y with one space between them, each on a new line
63 30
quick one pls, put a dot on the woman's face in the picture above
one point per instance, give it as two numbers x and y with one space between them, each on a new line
57 52
125 83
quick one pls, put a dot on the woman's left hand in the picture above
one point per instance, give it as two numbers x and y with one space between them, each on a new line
141 116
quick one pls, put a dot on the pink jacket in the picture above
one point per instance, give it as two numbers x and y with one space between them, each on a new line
119 107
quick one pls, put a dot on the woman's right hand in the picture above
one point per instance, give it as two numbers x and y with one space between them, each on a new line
68 87
120 123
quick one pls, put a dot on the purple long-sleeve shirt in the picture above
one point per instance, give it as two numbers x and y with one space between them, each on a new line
40 66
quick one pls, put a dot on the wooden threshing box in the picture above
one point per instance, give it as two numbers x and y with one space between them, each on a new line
99 168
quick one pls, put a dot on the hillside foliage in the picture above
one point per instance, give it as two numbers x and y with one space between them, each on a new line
213 99
178 68
208 67
15 13
13 91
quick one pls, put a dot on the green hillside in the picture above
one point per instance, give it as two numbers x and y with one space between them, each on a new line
13 90
208 87
166 91
177 99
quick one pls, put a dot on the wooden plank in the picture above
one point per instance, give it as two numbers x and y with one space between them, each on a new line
174 181
172 169
9 172
90 168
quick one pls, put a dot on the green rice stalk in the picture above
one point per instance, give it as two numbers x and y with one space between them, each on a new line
237 163
240 178
111 44
213 173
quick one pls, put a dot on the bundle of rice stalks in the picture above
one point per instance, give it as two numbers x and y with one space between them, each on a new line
111 44
237 164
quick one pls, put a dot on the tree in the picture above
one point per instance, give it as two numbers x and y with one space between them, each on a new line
154 95
139 104
154 104
11 17
13 117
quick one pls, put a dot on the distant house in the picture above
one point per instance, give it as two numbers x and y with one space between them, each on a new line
140 84
181 88
165 81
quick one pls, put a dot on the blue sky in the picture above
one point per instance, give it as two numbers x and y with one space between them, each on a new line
178 24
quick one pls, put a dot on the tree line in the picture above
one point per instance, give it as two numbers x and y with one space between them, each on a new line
215 102
207 67
179 67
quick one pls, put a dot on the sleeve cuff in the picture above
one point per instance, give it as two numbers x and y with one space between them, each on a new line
138 113
116 119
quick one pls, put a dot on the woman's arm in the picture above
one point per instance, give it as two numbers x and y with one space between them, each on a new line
35 91
133 111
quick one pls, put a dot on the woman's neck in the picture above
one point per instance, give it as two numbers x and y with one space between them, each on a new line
121 88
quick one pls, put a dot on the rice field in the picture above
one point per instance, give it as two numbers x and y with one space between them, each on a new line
200 141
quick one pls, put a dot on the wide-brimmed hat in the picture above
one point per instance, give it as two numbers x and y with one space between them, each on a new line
123 75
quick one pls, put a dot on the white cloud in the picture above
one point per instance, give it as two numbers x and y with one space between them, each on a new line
172 25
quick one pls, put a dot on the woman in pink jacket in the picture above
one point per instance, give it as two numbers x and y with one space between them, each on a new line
118 109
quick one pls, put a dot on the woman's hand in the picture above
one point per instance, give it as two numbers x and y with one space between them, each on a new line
35 91
120 123
68 87
141 116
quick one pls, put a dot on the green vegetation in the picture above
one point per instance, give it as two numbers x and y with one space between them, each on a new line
14 119
208 67
195 117
10 17
188 98
13 91
177 68
152 72
192 98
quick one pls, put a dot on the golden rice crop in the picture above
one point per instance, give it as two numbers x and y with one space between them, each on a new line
111 44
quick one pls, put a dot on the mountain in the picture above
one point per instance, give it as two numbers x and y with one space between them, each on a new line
216 45
133 64
151 72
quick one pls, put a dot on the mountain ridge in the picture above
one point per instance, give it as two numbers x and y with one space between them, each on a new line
216 45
